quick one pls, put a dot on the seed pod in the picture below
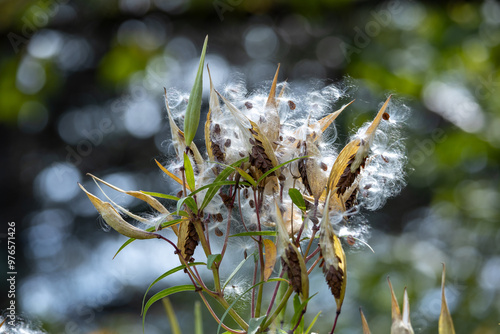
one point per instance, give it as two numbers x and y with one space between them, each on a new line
214 150
271 126
350 160
334 261
113 219
445 321
187 240
179 142
291 258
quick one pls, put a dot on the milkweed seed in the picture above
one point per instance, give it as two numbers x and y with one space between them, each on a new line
249 105
251 203
385 116
323 166
218 232
218 217
350 240
217 129
385 159
227 143
291 104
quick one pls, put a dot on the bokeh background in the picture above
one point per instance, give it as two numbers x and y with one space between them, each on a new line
81 91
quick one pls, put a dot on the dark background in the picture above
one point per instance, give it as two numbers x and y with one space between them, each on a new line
81 86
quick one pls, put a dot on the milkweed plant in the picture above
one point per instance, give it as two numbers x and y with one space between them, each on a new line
272 194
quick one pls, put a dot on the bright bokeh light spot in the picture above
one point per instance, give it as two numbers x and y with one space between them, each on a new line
142 119
123 181
45 44
30 76
58 183
261 42
455 103
490 274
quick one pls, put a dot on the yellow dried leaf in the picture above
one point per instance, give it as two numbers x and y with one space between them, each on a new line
113 219
270 261
366 329
445 321
175 178
325 122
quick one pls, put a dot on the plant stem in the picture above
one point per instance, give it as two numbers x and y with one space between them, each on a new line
261 260
217 318
282 304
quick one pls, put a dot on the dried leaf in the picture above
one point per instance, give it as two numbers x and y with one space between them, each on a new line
175 178
325 122
366 329
270 253
113 219
270 125
445 321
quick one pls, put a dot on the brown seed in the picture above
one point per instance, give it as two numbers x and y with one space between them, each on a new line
227 143
385 159
218 217
281 138
251 203
385 116
245 193
249 105
323 166
217 129
291 104
241 154
350 240
218 232
245 255
179 194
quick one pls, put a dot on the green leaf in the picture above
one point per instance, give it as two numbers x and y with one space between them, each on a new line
213 258
192 118
170 272
246 176
214 184
277 167
160 195
312 323
189 201
235 271
221 177
298 309
189 172
169 309
149 229
254 324
198 320
162 294
297 198
254 233
245 292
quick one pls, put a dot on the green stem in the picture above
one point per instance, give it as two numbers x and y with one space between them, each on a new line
236 317
282 304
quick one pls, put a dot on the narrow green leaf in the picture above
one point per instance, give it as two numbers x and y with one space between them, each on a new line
170 272
213 258
244 293
162 294
189 172
221 177
215 184
297 198
160 195
192 118
308 330
277 167
254 324
254 233
235 271
198 320
189 201
241 172
149 229
169 309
